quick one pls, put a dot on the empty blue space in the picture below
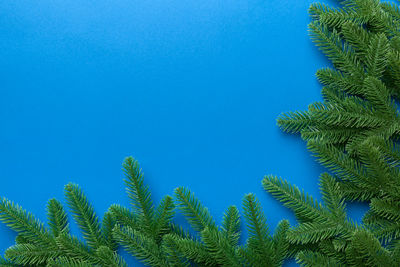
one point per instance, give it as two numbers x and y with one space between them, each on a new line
191 89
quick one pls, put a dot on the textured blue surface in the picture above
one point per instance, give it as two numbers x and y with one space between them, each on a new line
190 88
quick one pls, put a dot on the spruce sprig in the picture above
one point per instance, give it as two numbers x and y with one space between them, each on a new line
210 245
355 130
37 245
329 237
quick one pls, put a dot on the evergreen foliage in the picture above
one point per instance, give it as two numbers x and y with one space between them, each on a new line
324 234
38 245
150 235
353 132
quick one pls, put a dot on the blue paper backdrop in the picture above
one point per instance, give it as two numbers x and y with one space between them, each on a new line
191 89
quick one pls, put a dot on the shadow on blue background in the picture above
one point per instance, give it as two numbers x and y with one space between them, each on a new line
191 89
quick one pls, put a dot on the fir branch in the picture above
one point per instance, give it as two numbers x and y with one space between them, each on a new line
141 246
386 208
139 194
376 55
84 215
197 215
174 256
191 249
73 248
280 243
367 249
294 122
335 18
163 215
339 80
303 205
124 216
332 197
231 225
29 254
57 218
258 241
313 232
219 247
341 55
311 259
109 257
25 224
107 226
357 36
179 231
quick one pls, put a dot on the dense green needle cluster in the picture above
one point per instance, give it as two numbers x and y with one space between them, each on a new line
145 231
37 245
324 235
354 132
363 42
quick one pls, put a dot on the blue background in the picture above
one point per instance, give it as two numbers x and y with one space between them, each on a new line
191 89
